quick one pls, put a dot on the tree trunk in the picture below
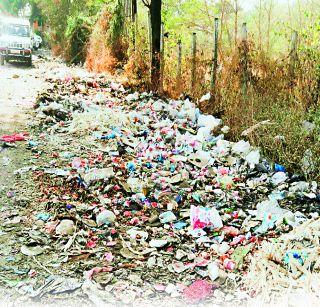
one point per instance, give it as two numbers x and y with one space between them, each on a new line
134 10
134 21
155 11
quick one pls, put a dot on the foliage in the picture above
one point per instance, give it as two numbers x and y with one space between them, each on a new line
116 32
12 6
117 23
99 56
78 33
69 24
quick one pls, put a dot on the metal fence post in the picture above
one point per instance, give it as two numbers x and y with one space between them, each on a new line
244 59
215 58
194 55
179 74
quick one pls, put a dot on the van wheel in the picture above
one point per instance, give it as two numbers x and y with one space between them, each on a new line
29 63
2 60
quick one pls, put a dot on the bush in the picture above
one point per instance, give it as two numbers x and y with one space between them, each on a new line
108 45
78 34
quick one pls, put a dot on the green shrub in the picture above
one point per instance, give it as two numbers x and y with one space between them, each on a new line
78 33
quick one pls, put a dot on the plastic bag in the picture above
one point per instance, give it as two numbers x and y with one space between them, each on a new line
253 157
202 217
241 147
208 121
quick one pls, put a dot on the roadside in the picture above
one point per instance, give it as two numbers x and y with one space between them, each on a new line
20 86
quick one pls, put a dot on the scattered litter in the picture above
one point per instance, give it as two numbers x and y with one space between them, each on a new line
141 196
17 137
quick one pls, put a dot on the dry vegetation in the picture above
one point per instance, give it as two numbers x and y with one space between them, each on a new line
99 57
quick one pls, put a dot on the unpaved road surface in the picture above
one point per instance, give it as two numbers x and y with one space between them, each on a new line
19 85
19 88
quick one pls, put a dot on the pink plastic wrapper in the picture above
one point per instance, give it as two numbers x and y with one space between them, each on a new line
109 257
14 137
198 291
97 270
229 264
202 217
78 163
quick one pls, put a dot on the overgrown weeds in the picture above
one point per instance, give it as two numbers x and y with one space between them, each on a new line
78 34
108 45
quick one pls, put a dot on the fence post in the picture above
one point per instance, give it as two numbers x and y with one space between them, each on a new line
150 41
215 58
134 20
244 60
194 55
293 54
162 58
179 74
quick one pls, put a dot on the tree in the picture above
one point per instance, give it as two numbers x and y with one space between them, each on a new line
12 6
155 14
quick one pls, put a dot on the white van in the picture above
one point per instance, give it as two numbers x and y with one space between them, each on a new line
15 40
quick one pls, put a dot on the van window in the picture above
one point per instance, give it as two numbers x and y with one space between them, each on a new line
17 30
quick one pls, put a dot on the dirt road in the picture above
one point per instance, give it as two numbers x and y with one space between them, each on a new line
19 88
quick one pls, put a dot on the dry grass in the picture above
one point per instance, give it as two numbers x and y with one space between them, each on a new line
269 275
137 69
99 55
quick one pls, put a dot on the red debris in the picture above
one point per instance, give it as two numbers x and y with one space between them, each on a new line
97 270
17 137
230 231
198 291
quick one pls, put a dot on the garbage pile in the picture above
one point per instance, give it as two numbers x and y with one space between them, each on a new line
149 191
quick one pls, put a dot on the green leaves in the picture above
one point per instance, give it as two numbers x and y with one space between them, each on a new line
117 22
12 6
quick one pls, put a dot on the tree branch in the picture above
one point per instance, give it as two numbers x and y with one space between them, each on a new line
146 3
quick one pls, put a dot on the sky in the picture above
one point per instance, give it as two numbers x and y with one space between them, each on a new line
250 4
